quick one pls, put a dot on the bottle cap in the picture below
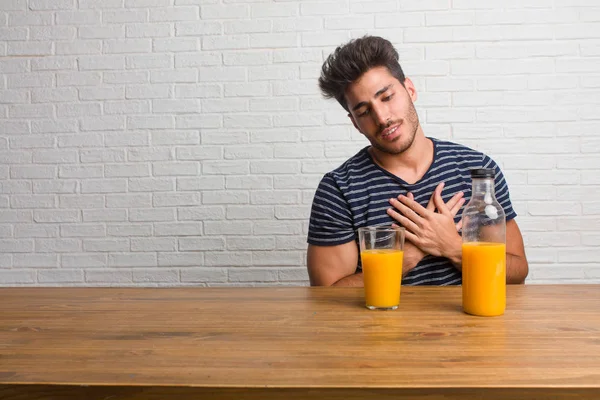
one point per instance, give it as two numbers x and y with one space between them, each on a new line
483 173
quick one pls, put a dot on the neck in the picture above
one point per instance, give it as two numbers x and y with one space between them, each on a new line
411 164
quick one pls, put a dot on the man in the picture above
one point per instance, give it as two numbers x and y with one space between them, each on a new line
402 178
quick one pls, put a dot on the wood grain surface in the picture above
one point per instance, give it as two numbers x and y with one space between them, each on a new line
268 343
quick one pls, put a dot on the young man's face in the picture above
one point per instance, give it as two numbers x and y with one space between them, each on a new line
383 110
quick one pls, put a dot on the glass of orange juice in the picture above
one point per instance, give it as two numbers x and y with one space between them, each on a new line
381 254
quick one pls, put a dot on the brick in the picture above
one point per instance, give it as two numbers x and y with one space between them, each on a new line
204 275
253 275
175 45
57 245
60 276
33 201
13 216
151 61
31 111
14 97
272 40
129 230
332 39
127 46
16 246
149 30
176 199
80 171
190 13
198 153
246 89
52 33
105 245
109 276
249 212
197 91
165 122
79 47
250 243
54 95
224 167
175 168
156 275
129 200
101 32
91 63
88 17
15 186
228 42
274 167
147 91
14 33
293 274
37 5
104 186
78 79
227 259
29 80
104 215
47 216
127 107
151 215
81 201
151 185
202 122
196 29
277 228
35 231
178 229
54 186
132 138
82 230
229 197
153 244
237 11
86 260
152 154
138 259
166 259
249 182
175 106
9 5
204 213
274 197
201 183
174 76
16 276
121 16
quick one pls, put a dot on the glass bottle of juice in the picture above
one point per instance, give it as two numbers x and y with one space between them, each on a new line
483 249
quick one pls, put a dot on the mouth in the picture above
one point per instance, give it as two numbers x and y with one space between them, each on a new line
391 132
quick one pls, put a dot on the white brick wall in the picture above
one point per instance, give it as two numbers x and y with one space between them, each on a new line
179 142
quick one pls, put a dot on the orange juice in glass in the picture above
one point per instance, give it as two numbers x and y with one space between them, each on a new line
484 278
381 253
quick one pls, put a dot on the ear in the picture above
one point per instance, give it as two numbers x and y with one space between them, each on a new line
354 122
410 88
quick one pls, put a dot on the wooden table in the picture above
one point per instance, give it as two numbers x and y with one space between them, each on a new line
296 343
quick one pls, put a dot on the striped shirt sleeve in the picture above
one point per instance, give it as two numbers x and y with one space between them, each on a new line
331 221
501 188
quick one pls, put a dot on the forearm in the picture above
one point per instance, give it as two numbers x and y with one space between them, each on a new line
354 280
517 269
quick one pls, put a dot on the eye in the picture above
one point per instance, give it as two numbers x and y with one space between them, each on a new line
363 113
388 98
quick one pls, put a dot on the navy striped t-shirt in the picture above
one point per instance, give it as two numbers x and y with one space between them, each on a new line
357 194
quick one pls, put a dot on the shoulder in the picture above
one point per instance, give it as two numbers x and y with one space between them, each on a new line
352 167
461 155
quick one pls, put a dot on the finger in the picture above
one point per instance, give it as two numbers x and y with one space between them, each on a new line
414 239
440 205
459 225
406 211
410 195
430 204
414 206
406 222
454 200
454 210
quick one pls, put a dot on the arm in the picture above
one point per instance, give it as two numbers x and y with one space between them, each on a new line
517 267
336 265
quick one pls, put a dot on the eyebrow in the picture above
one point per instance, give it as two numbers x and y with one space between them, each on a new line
379 93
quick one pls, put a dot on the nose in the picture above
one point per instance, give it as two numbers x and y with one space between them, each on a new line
381 115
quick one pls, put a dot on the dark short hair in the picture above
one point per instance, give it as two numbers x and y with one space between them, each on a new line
351 60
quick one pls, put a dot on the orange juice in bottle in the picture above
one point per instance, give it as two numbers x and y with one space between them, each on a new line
484 249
